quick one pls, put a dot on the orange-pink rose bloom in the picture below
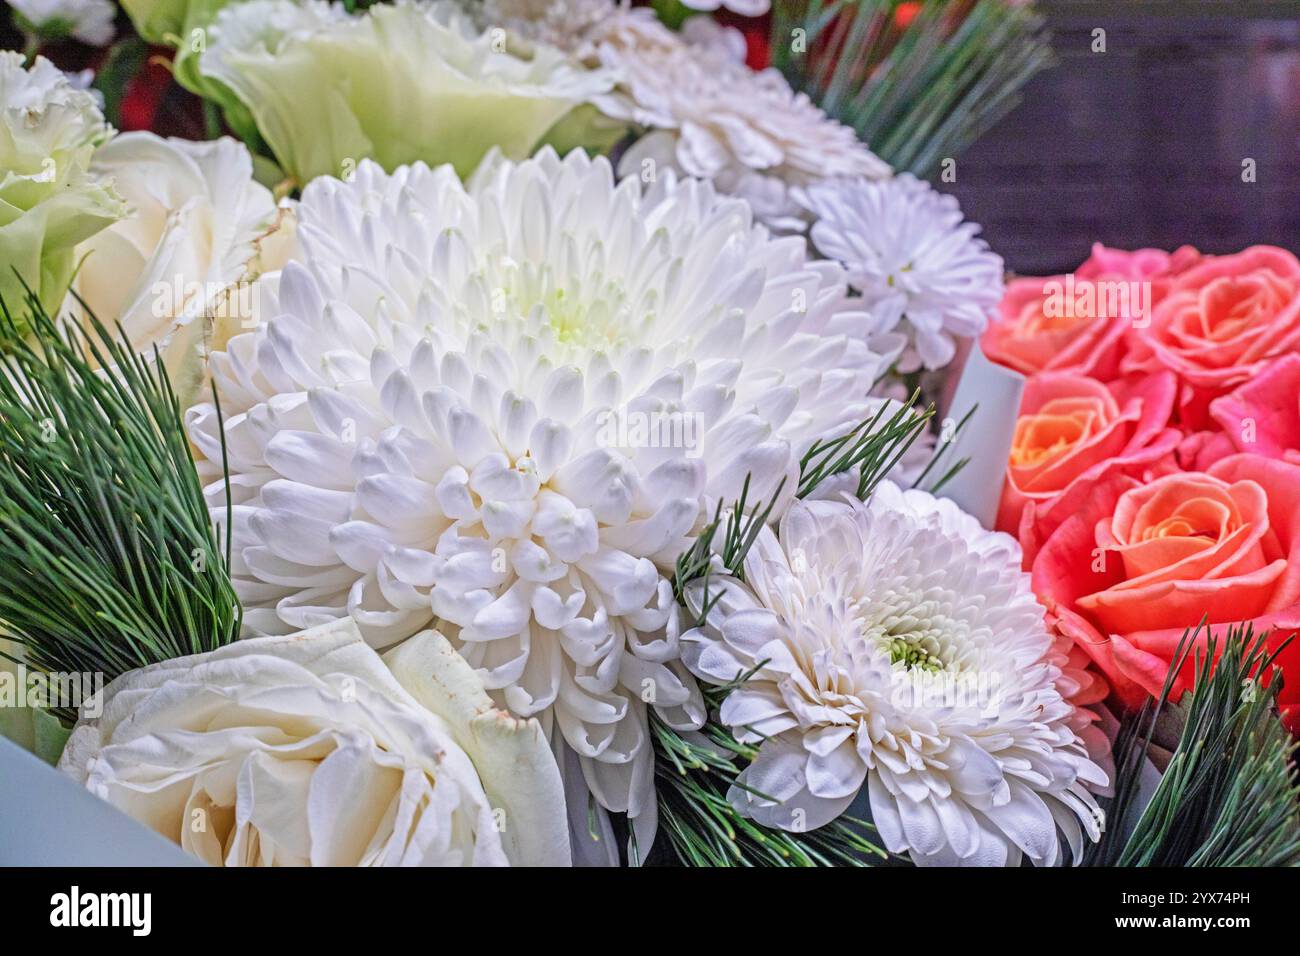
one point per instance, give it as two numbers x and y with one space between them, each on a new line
1032 337
1072 432
1141 563
1220 323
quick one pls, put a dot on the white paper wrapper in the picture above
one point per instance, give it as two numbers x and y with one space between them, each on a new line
995 394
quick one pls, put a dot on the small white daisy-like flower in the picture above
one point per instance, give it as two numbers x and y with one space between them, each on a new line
507 404
89 21
709 115
704 112
898 644
911 255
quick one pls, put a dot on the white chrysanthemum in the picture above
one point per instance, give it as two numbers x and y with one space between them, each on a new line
90 21
507 405
713 117
706 113
901 646
911 255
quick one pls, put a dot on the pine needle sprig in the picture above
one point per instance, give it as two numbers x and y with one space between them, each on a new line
108 557
693 775
916 91
1229 795
740 529
946 442
873 447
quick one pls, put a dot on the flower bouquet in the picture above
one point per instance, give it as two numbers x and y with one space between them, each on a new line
530 434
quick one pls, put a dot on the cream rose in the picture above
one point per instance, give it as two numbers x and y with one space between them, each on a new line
195 221
308 750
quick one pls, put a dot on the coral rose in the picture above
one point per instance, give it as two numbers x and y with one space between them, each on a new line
1220 323
1076 324
1139 564
1263 414
1074 431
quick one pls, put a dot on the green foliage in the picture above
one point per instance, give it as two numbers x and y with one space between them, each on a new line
694 772
108 558
915 91
873 448
1229 795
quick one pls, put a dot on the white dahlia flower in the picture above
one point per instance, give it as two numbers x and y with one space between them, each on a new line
307 750
898 644
89 21
912 256
397 83
507 404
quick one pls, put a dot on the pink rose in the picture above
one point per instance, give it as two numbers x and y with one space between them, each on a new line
1139 563
1072 432
1220 323
1263 414
1077 324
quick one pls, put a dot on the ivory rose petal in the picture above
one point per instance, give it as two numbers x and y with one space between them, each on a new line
306 750
165 271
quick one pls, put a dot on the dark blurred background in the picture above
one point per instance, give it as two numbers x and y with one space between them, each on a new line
1143 145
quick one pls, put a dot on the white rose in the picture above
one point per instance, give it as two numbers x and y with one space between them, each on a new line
163 271
308 750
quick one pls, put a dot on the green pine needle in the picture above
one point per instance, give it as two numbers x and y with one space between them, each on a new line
1229 795
693 774
108 558
916 94
873 448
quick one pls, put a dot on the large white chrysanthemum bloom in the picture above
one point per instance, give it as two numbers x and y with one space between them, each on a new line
397 83
898 644
507 404
912 256
90 21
